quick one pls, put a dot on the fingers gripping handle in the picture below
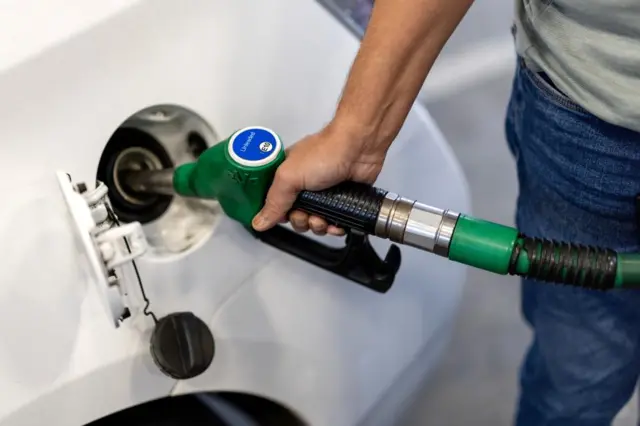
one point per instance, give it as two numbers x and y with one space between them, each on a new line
352 206
349 205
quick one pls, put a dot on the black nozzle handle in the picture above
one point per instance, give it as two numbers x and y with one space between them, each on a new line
355 207
348 205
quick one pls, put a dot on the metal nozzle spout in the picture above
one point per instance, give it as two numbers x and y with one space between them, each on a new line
158 182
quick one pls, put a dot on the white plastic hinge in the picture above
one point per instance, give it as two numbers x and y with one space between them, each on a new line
118 244
121 245
110 248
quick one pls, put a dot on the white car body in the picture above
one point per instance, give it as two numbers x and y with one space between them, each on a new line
330 351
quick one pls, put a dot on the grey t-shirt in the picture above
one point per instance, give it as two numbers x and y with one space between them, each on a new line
590 49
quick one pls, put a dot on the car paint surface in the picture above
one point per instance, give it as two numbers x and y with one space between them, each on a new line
333 352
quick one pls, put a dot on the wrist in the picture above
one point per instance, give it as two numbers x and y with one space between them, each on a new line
359 138
351 126
370 140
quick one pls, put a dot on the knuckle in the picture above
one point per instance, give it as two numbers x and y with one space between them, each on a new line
300 227
270 207
285 176
300 221
317 223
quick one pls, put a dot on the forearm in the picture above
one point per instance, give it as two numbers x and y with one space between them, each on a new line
402 41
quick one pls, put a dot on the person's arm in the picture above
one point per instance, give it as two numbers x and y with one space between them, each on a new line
400 45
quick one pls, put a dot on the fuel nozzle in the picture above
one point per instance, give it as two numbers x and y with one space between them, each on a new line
236 172
239 170
158 182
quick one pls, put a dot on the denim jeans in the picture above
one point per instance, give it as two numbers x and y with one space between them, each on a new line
578 178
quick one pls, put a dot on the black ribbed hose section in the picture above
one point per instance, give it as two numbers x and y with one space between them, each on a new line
564 263
348 205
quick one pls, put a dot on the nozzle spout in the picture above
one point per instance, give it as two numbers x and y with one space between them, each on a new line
158 182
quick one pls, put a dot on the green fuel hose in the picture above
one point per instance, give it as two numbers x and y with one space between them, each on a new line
503 250
239 170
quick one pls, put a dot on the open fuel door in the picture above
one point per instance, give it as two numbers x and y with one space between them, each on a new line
108 249
182 345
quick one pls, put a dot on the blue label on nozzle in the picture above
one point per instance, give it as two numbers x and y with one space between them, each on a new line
254 145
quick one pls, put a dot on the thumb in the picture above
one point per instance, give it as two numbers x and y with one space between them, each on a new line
279 201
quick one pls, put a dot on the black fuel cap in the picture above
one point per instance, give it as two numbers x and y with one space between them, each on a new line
182 345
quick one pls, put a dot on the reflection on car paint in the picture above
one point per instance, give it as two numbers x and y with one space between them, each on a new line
358 11
361 11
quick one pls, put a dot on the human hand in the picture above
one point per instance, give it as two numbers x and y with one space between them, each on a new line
317 162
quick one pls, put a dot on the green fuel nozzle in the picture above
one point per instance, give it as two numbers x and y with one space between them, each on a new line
238 171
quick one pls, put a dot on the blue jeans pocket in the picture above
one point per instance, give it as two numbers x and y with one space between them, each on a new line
548 89
573 168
